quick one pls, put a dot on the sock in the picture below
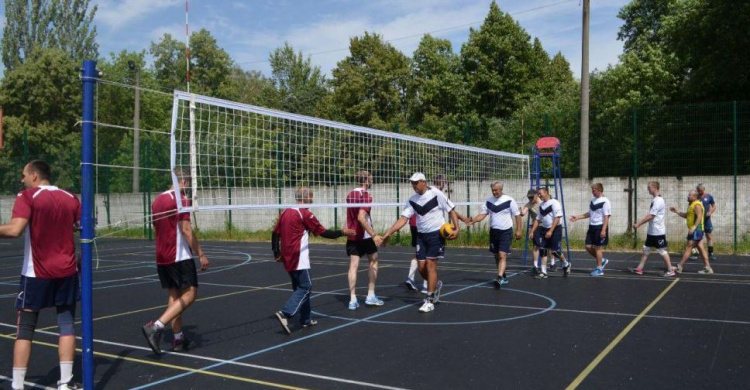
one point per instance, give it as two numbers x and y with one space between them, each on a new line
544 268
425 284
552 262
431 297
413 269
353 298
710 250
19 375
566 264
178 336
159 325
66 372
371 294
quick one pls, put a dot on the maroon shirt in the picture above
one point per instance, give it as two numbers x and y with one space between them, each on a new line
293 228
357 195
49 251
171 246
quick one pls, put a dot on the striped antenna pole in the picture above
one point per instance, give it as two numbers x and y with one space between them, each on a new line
187 43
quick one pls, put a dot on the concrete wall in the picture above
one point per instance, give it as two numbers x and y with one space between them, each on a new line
127 210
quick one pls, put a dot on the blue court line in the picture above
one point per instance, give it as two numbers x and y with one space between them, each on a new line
282 345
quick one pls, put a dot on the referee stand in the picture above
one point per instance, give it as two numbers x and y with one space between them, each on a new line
545 165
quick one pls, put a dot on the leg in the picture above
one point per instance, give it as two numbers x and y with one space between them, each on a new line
590 249
704 254
412 269
536 256
599 255
353 268
432 276
686 255
372 273
502 261
644 257
26 321
179 305
174 296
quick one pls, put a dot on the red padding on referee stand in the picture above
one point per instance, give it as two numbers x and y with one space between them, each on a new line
547 143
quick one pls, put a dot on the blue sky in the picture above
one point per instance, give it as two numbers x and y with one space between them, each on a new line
250 30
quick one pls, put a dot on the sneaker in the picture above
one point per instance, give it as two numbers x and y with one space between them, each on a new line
437 291
637 271
552 268
427 307
567 268
69 386
283 321
503 281
668 273
181 345
678 269
373 301
309 324
153 336
423 290
706 271
353 305
597 272
711 257
540 275
604 263
411 285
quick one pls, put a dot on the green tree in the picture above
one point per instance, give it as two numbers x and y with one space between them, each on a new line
642 23
495 61
301 85
251 87
370 84
38 24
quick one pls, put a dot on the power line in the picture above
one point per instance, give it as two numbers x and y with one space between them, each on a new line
424 33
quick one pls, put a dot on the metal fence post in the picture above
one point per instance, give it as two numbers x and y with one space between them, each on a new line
734 131
635 174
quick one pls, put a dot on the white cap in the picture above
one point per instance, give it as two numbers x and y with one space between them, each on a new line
417 177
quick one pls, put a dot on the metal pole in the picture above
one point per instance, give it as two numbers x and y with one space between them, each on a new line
734 131
635 174
87 221
136 131
584 157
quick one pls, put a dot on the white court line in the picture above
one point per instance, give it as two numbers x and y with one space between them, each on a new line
210 359
34 385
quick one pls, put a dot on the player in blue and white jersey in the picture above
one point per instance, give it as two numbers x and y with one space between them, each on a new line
429 204
547 232
597 236
657 231
709 205
502 210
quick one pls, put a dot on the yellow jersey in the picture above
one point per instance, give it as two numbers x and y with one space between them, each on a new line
690 215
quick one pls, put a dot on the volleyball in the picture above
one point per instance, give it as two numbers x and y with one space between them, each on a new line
447 229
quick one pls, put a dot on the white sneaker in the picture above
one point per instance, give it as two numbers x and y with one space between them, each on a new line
427 307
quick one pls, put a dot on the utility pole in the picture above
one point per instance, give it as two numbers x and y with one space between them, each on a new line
136 126
584 155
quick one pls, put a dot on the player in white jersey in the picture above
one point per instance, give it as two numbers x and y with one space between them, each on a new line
428 203
547 232
502 210
597 236
657 231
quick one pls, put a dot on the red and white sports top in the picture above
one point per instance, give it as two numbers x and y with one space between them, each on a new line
357 195
293 227
171 246
49 250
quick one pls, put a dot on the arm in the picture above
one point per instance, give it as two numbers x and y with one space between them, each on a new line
554 225
604 226
14 229
362 219
466 220
275 246
575 218
396 227
711 210
187 231
334 234
454 220
674 210
518 227
533 227
479 218
643 221
524 210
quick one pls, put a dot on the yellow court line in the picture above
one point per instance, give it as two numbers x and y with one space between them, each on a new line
582 376
176 367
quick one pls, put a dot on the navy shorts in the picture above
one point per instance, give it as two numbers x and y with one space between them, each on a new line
696 236
708 227
552 243
430 245
594 238
180 275
362 247
657 242
414 233
500 240
36 294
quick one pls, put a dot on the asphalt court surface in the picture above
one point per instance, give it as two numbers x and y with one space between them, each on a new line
619 331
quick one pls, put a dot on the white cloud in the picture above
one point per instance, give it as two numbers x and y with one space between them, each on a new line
116 15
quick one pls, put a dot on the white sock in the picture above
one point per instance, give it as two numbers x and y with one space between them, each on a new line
413 269
66 372
353 298
552 262
371 294
544 268
178 336
19 375
159 324
425 284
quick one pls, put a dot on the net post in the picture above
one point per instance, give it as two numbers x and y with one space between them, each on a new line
635 174
88 81
734 133
193 155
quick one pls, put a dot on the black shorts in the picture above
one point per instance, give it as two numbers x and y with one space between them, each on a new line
360 248
594 236
708 226
657 242
430 245
36 294
414 233
553 243
180 275
500 240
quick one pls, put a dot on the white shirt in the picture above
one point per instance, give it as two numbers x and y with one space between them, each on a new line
429 208
656 226
598 209
548 211
501 211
